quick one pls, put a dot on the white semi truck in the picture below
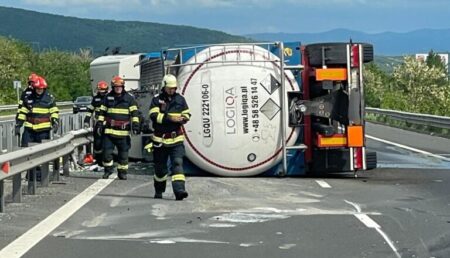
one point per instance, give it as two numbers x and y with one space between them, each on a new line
258 109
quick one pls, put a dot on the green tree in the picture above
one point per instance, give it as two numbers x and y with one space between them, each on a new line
67 74
434 60
425 88
15 64
376 84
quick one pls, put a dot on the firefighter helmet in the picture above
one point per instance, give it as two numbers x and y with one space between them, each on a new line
102 85
33 78
40 84
169 81
117 81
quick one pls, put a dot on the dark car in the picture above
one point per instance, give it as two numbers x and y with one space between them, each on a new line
81 104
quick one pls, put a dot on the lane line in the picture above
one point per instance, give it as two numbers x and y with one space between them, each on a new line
370 223
323 184
25 242
408 148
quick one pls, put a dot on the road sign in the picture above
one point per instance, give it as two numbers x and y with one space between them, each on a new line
17 84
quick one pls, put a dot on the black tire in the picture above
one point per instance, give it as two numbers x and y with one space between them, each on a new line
371 160
75 111
335 53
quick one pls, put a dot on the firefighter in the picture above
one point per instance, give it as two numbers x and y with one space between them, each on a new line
94 108
168 112
118 116
32 79
38 114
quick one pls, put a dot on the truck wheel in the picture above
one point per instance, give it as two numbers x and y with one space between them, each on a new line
371 160
335 53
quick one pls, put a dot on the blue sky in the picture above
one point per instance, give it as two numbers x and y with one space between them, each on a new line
256 16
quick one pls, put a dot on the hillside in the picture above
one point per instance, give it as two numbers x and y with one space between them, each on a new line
70 34
386 43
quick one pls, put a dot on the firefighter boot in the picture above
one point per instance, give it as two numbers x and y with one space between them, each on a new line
160 188
108 172
122 174
179 190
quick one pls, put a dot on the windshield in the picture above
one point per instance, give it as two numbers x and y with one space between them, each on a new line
83 99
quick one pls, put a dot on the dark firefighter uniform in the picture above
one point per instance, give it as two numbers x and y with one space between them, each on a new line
38 115
32 79
118 116
168 112
94 110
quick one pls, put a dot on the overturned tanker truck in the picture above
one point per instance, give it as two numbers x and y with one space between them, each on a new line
267 109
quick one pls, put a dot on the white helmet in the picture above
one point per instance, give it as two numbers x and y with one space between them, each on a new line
169 81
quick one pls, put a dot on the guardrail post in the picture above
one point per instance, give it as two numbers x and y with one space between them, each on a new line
56 168
32 181
44 174
9 137
2 196
1 139
17 188
66 165
80 155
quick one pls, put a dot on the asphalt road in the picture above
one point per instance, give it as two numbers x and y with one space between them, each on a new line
401 209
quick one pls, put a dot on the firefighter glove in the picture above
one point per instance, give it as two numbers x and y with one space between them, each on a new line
149 147
136 128
87 122
55 126
17 130
99 128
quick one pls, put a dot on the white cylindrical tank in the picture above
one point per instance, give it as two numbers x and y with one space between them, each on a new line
235 128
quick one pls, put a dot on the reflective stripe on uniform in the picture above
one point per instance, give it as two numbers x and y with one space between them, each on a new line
21 117
116 132
55 115
178 177
186 113
168 141
135 119
124 167
101 118
108 164
159 119
54 109
133 108
88 114
154 110
118 111
36 110
37 126
24 110
160 179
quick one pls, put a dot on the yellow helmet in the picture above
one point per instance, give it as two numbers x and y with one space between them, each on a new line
169 81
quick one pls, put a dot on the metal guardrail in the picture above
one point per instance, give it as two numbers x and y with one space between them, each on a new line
14 163
14 106
423 119
9 142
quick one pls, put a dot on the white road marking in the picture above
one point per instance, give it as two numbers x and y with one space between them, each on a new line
370 223
408 148
25 242
323 184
